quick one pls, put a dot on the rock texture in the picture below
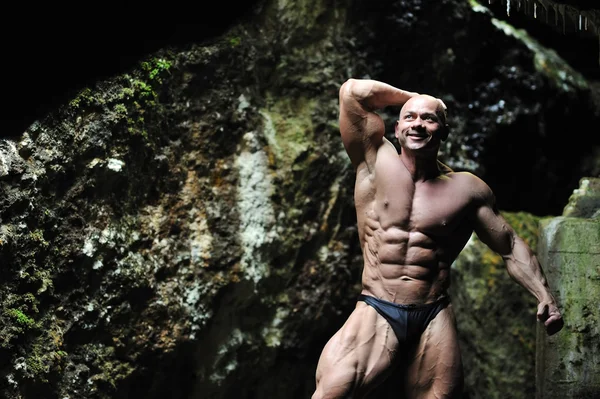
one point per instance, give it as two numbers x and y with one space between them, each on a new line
567 363
184 228
496 319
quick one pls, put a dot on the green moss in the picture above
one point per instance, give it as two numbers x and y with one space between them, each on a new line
41 359
155 68
126 93
137 95
37 367
108 369
576 254
20 318
83 99
571 251
16 319
120 109
113 372
143 95
288 128
38 236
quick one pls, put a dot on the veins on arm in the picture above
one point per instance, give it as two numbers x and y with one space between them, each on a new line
490 226
494 231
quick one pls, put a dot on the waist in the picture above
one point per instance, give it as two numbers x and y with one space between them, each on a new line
444 299
406 284
426 271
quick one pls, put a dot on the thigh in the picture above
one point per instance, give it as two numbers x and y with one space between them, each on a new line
357 357
435 370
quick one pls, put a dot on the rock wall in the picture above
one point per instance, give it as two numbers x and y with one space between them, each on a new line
184 228
496 319
567 363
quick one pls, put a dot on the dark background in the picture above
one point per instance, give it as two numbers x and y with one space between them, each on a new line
49 53
581 49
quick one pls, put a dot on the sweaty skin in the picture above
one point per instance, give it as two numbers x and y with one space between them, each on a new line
414 216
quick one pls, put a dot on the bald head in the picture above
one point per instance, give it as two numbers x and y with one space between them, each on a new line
425 99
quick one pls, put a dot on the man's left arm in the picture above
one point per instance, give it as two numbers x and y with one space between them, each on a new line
521 263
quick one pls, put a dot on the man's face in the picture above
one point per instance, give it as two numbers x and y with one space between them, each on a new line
419 126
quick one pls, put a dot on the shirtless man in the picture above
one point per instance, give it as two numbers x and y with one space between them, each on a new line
414 216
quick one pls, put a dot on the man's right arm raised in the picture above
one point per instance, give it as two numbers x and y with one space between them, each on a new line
361 128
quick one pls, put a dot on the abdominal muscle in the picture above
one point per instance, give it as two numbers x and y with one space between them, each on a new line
402 266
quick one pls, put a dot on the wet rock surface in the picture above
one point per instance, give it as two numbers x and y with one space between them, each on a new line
567 363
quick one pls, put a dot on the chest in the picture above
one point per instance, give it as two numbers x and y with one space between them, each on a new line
435 207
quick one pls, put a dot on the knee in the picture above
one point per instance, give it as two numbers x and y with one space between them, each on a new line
448 388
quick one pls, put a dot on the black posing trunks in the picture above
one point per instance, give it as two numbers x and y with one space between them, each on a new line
407 321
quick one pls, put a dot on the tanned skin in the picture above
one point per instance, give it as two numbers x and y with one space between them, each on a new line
414 217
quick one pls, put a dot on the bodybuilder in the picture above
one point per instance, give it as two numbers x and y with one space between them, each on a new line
414 216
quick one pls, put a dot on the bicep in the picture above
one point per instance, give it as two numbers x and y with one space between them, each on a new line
492 229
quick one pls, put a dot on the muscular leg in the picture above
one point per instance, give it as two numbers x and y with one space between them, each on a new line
436 368
357 357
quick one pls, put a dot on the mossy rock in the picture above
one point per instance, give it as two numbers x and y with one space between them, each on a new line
496 318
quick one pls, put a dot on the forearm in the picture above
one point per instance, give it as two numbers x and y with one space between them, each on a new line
373 94
523 266
521 263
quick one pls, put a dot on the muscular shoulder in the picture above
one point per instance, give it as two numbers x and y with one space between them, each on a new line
474 187
384 153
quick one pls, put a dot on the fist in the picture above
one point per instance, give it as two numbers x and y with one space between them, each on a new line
549 314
